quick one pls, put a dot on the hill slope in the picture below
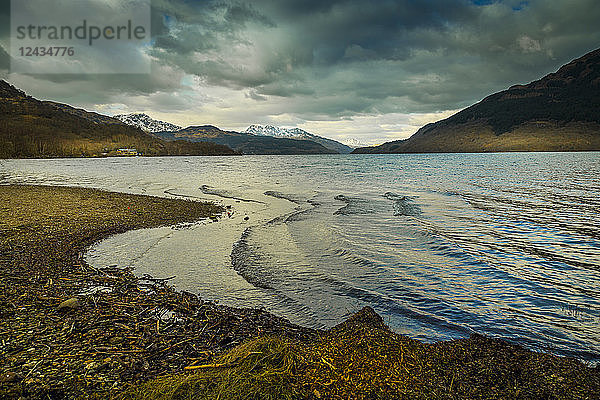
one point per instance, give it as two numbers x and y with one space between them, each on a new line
145 123
246 143
556 113
296 133
34 128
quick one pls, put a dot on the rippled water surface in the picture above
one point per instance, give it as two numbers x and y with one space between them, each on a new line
441 245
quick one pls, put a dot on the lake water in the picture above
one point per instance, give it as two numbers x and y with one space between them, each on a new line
441 245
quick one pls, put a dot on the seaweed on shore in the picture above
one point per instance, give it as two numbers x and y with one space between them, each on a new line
362 359
68 330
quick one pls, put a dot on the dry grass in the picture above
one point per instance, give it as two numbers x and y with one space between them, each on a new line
264 368
362 359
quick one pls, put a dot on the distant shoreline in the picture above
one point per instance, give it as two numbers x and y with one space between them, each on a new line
318 155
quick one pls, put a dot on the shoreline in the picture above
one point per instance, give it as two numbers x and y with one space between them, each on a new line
125 331
199 256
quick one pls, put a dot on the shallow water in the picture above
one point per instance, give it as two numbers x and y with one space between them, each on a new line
441 245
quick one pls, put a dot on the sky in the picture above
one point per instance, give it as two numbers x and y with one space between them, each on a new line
370 71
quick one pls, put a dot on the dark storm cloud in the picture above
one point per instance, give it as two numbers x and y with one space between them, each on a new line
82 89
255 96
183 27
343 57
241 13
425 56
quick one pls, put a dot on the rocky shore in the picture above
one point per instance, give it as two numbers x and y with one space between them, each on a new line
68 330
71 331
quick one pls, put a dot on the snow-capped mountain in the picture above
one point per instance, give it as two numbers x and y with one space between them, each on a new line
355 143
145 123
270 130
297 133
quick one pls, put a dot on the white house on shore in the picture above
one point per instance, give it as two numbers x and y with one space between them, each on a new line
127 152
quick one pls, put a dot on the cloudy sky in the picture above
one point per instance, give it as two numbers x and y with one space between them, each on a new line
373 71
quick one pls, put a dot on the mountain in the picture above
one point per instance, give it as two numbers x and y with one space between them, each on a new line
34 128
145 123
296 133
269 130
354 143
246 143
556 113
